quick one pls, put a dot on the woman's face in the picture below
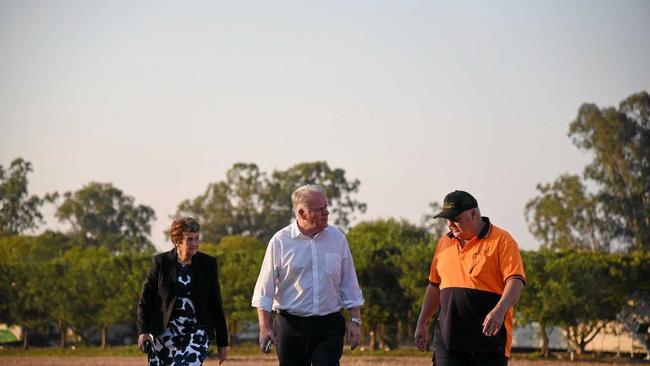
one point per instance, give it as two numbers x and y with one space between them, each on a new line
189 245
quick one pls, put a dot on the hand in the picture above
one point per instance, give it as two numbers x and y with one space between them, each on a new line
143 338
421 337
353 334
265 335
222 353
493 322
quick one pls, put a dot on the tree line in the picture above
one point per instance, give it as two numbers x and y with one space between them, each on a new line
593 232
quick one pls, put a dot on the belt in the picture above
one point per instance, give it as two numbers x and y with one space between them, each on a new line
287 314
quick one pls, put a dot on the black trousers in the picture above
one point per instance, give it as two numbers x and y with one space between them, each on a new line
442 357
313 340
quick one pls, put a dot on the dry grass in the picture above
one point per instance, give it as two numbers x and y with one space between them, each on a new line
252 361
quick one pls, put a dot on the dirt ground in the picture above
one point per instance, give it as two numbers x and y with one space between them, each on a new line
254 361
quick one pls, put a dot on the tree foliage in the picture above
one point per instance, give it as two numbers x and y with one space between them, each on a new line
52 280
18 210
617 214
566 216
102 215
392 262
620 141
577 291
239 259
252 203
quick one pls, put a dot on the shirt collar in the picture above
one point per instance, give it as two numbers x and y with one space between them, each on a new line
295 231
486 228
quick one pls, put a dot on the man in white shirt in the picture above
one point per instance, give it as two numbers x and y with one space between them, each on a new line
307 276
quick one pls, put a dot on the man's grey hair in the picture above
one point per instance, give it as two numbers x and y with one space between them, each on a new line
302 195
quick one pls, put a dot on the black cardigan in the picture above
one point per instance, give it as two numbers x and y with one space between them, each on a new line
159 296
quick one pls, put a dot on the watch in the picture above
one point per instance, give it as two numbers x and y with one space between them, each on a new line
355 320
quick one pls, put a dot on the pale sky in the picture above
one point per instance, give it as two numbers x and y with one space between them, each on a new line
414 98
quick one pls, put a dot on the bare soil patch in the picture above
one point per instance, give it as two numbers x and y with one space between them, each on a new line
255 361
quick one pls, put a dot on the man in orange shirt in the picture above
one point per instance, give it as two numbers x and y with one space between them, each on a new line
475 278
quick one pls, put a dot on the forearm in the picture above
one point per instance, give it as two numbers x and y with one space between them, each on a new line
264 318
355 313
510 295
429 304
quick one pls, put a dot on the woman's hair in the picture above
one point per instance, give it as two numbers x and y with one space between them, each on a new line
302 195
182 225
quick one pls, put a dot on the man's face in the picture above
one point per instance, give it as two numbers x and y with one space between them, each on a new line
462 226
314 217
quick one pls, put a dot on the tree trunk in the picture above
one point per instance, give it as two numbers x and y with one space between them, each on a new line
373 338
400 332
25 334
104 331
583 346
62 330
545 342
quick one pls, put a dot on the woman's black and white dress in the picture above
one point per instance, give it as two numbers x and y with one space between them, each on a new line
184 342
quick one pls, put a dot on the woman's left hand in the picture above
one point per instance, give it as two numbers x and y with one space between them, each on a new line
222 353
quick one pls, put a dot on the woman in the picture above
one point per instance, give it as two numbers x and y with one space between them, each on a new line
180 305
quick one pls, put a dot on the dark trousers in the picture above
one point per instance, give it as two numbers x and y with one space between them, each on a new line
442 357
313 340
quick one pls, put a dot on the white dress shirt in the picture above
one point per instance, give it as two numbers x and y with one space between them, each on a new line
307 276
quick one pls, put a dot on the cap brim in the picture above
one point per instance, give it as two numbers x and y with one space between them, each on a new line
449 214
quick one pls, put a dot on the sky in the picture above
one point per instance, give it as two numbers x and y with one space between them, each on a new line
413 98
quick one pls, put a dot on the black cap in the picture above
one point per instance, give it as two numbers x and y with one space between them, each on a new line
455 203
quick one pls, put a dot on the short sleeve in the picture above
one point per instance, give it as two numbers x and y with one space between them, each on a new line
434 276
510 262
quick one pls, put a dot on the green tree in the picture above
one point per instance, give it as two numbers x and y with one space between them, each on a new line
102 215
18 210
566 216
114 274
576 290
28 301
252 203
597 292
239 264
390 283
22 266
543 300
339 189
415 263
235 206
617 214
620 141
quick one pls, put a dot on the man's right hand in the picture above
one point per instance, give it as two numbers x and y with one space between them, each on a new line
265 335
420 336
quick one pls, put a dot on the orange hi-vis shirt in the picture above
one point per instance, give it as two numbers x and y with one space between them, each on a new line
471 281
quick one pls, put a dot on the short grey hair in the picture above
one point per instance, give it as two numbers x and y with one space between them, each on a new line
304 193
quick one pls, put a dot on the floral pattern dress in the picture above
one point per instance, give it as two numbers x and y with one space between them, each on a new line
184 342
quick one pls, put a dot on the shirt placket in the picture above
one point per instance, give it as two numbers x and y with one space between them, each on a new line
315 275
